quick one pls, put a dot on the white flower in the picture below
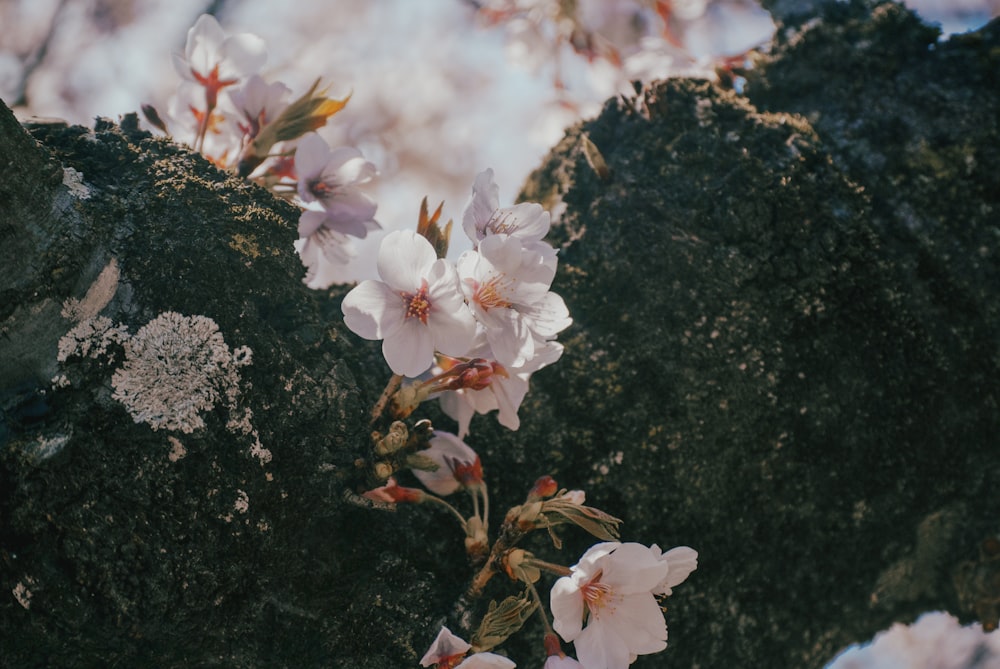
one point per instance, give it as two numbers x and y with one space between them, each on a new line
446 645
505 391
681 561
215 60
612 586
562 662
507 288
416 309
483 215
458 465
331 177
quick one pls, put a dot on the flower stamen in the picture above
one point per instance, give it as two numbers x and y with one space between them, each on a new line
595 593
417 304
490 294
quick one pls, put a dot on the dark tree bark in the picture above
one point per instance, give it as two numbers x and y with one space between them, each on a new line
786 354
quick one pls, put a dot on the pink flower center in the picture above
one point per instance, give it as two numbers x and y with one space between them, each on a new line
469 474
417 304
595 593
320 189
491 293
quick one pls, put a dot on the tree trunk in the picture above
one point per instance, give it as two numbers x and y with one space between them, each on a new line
785 354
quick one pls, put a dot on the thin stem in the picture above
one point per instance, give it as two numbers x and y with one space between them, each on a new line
475 502
541 609
551 567
394 382
486 506
437 500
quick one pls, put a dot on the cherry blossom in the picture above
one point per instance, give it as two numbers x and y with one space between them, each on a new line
612 588
458 465
504 392
507 288
257 103
331 177
416 308
215 60
483 215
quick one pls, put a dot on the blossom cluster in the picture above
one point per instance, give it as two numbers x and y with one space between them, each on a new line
243 123
607 604
489 320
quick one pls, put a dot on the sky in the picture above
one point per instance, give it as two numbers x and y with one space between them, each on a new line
437 96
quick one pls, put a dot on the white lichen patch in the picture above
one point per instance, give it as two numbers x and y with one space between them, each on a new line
176 368
73 180
22 593
91 338
177 450
242 503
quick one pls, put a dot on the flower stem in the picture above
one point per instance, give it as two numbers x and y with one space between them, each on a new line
541 609
437 500
390 388
550 567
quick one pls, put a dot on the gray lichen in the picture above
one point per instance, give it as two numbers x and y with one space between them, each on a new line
177 367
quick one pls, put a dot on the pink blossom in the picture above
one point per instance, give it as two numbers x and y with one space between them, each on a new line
483 215
507 288
331 177
257 103
416 309
503 394
612 589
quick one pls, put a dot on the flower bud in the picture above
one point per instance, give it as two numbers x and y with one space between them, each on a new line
545 486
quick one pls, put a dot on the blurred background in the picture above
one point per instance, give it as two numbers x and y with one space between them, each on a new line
441 89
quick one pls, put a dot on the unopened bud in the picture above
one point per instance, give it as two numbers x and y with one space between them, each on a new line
545 486
393 441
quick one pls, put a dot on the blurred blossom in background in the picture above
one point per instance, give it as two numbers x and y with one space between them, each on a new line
441 89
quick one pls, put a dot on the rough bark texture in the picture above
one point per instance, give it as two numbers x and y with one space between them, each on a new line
786 354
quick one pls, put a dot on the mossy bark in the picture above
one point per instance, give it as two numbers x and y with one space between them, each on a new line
785 354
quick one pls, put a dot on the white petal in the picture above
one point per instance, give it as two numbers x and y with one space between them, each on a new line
566 603
456 405
598 647
310 221
445 645
372 310
509 394
348 166
486 661
410 349
509 337
485 200
548 316
404 258
243 55
638 621
632 568
681 561
526 221
311 155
